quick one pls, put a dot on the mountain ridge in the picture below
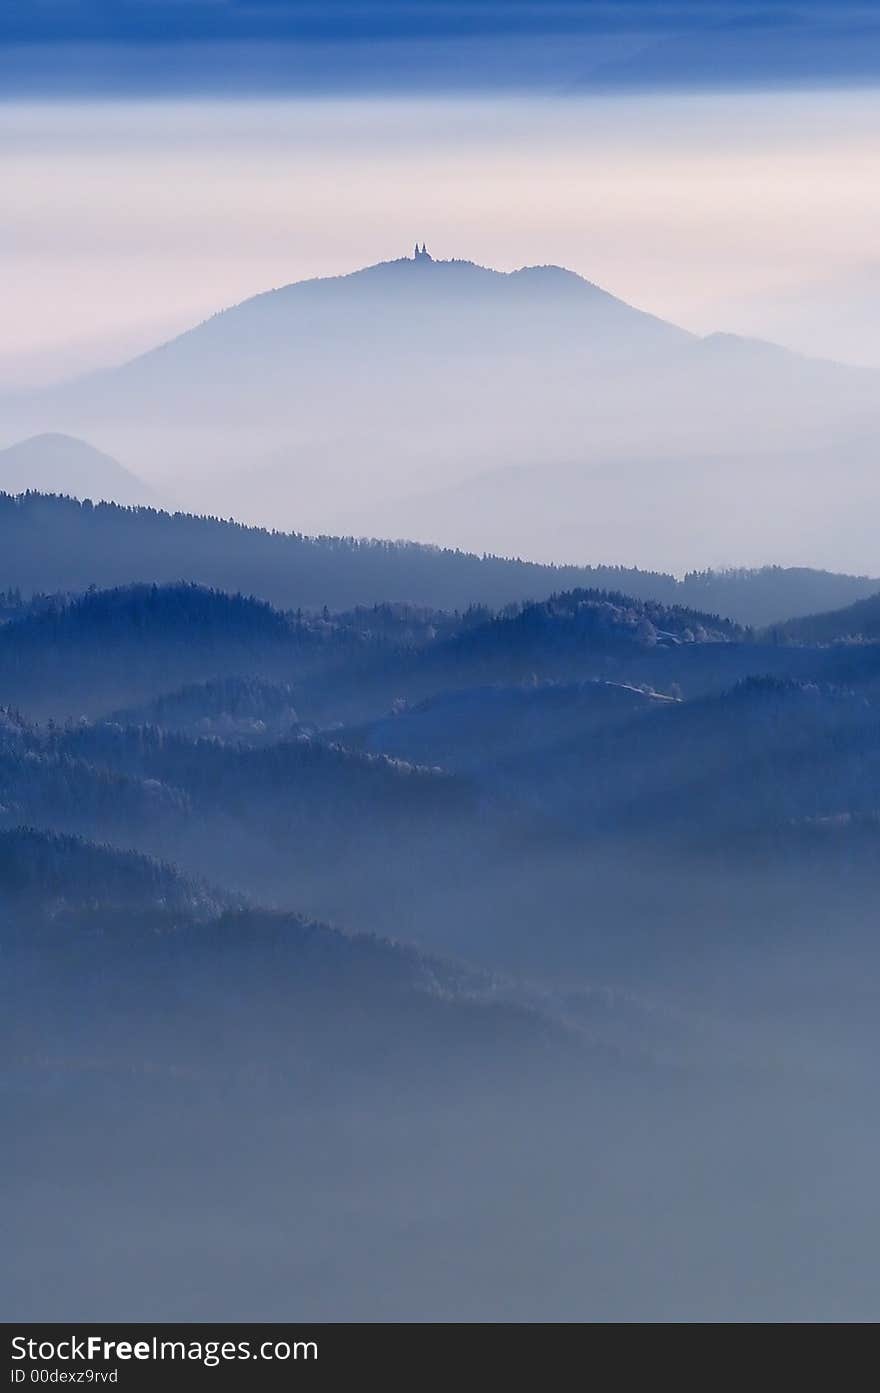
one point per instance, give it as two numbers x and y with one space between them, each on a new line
56 545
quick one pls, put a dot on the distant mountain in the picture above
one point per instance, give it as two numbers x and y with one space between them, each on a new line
54 463
663 504
56 545
387 401
419 313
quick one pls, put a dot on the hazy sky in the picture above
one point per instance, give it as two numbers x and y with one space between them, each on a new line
716 163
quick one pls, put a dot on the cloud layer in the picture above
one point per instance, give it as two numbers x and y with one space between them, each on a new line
295 46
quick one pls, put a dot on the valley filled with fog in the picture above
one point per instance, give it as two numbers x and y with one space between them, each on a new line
474 926
428 959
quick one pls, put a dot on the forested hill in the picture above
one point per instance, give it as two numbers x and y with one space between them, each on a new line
48 872
113 948
114 649
50 544
857 621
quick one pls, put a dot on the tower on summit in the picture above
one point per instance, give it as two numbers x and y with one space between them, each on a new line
423 255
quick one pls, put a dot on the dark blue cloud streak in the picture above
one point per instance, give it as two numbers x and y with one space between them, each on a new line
113 47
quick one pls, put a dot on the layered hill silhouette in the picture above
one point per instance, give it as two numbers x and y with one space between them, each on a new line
769 754
249 710
473 780
476 729
401 398
52 544
112 949
128 647
591 748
